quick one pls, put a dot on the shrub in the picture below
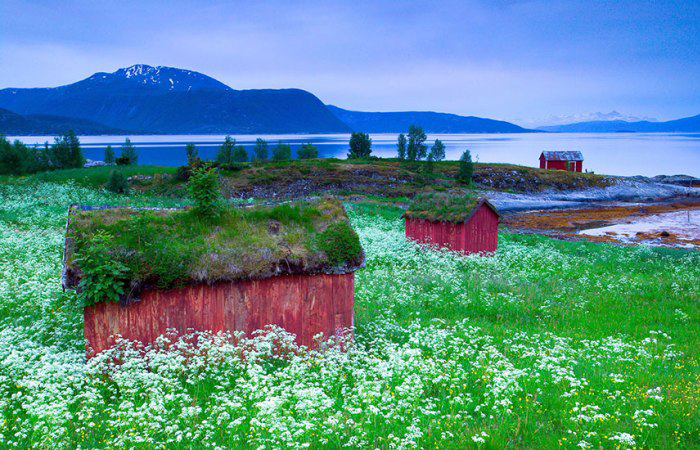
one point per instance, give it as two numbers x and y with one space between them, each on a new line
117 183
204 190
360 146
466 168
340 243
103 277
282 152
183 174
192 155
307 151
123 161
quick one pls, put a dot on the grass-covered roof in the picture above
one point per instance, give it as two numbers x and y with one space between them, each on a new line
171 248
453 207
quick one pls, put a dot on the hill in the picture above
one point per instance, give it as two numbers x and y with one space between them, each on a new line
685 125
432 122
12 124
166 100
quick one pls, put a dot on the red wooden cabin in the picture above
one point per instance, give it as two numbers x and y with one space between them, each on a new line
303 298
569 161
476 232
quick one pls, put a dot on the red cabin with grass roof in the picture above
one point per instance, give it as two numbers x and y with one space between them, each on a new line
473 230
271 278
569 161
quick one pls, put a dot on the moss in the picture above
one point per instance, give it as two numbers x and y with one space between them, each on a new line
164 249
442 206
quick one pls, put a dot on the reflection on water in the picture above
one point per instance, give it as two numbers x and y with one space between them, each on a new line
612 153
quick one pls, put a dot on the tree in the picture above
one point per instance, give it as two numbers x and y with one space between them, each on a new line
225 153
466 168
203 187
360 146
239 154
437 151
192 155
429 163
281 152
260 150
401 146
129 152
19 159
66 152
307 151
109 155
117 183
417 149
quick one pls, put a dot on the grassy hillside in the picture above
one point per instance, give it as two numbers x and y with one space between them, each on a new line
547 344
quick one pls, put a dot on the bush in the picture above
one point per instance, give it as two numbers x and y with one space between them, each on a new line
204 190
117 183
340 243
282 152
192 155
183 174
103 277
307 151
18 159
360 146
123 161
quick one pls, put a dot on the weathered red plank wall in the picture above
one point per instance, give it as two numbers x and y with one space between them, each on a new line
478 235
576 166
302 304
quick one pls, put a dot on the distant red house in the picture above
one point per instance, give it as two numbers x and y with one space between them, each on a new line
569 161
475 232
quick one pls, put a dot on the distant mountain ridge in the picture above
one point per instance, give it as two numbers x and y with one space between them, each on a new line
685 125
166 100
431 122
15 124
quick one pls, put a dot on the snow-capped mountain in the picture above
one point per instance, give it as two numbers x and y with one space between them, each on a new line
159 77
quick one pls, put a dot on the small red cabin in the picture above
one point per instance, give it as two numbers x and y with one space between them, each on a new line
475 230
569 161
243 273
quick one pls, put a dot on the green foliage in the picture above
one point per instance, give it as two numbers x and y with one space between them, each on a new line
466 168
437 151
443 207
401 146
183 174
360 146
128 153
225 153
416 149
117 183
192 155
281 152
260 152
203 187
19 159
103 276
65 153
307 151
340 243
109 155
239 154
429 164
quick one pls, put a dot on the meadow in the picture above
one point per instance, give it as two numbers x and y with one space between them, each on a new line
547 344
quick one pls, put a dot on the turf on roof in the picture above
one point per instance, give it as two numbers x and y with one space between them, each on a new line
442 206
164 249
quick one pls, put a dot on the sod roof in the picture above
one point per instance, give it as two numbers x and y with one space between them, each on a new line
446 207
172 248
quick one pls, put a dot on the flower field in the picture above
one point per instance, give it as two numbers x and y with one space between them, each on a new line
548 344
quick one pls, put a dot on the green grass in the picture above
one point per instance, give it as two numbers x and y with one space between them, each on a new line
547 344
95 176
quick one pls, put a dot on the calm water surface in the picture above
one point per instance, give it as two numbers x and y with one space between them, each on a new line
610 153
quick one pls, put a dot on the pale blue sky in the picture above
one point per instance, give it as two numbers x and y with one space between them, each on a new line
522 61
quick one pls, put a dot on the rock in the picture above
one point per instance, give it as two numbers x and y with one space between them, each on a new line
90 163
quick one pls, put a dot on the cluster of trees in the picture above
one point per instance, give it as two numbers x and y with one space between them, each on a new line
17 158
230 153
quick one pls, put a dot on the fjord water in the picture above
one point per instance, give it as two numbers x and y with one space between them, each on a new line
646 154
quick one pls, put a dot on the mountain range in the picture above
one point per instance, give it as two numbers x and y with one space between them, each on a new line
686 125
166 100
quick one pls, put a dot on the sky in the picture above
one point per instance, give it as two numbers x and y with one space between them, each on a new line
530 62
